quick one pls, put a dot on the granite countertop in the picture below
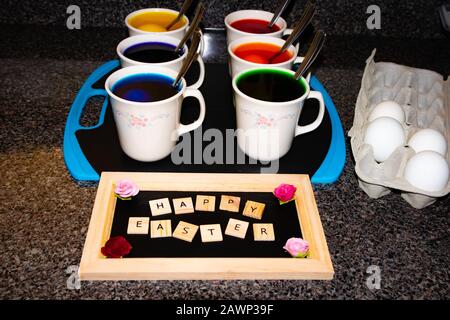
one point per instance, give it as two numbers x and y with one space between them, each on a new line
44 214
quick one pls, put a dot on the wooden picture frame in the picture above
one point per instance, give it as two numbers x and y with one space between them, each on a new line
94 266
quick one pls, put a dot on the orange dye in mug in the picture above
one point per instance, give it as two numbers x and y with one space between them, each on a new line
260 52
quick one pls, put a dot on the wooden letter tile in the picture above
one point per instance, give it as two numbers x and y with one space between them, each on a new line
205 203
254 209
236 228
263 232
183 205
211 233
160 228
229 203
138 225
185 231
160 206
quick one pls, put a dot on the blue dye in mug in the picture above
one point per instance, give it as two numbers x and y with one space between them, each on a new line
152 52
145 87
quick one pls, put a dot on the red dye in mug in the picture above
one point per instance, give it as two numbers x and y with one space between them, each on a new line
254 26
260 52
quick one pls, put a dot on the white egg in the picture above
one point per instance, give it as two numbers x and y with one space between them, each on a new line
389 109
428 139
427 170
384 135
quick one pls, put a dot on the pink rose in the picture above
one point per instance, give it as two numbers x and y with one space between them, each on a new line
297 247
285 192
126 189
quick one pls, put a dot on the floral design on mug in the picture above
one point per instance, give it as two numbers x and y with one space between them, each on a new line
140 120
263 121
266 120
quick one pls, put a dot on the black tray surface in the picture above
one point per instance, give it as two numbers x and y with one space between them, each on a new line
283 217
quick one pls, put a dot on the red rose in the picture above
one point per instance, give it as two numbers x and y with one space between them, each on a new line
116 247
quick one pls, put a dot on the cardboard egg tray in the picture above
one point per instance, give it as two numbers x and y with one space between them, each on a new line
425 98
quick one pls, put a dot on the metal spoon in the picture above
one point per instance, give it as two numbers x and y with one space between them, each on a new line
311 55
278 13
191 56
299 27
199 11
184 8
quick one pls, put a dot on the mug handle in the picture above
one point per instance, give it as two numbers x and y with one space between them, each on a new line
184 128
201 47
312 126
287 32
298 60
201 76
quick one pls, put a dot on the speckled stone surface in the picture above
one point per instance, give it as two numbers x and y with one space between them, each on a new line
399 18
44 214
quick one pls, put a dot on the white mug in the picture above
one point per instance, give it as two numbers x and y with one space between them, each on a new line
233 33
148 131
177 33
266 130
174 64
237 64
134 30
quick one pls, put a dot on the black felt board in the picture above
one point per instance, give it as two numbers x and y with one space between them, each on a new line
283 217
102 150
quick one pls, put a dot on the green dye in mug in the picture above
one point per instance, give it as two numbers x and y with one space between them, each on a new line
271 85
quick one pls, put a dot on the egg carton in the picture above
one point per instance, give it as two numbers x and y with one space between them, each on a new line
425 99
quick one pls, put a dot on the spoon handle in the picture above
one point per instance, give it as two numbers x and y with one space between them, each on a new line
300 26
278 13
191 56
184 8
311 55
199 11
